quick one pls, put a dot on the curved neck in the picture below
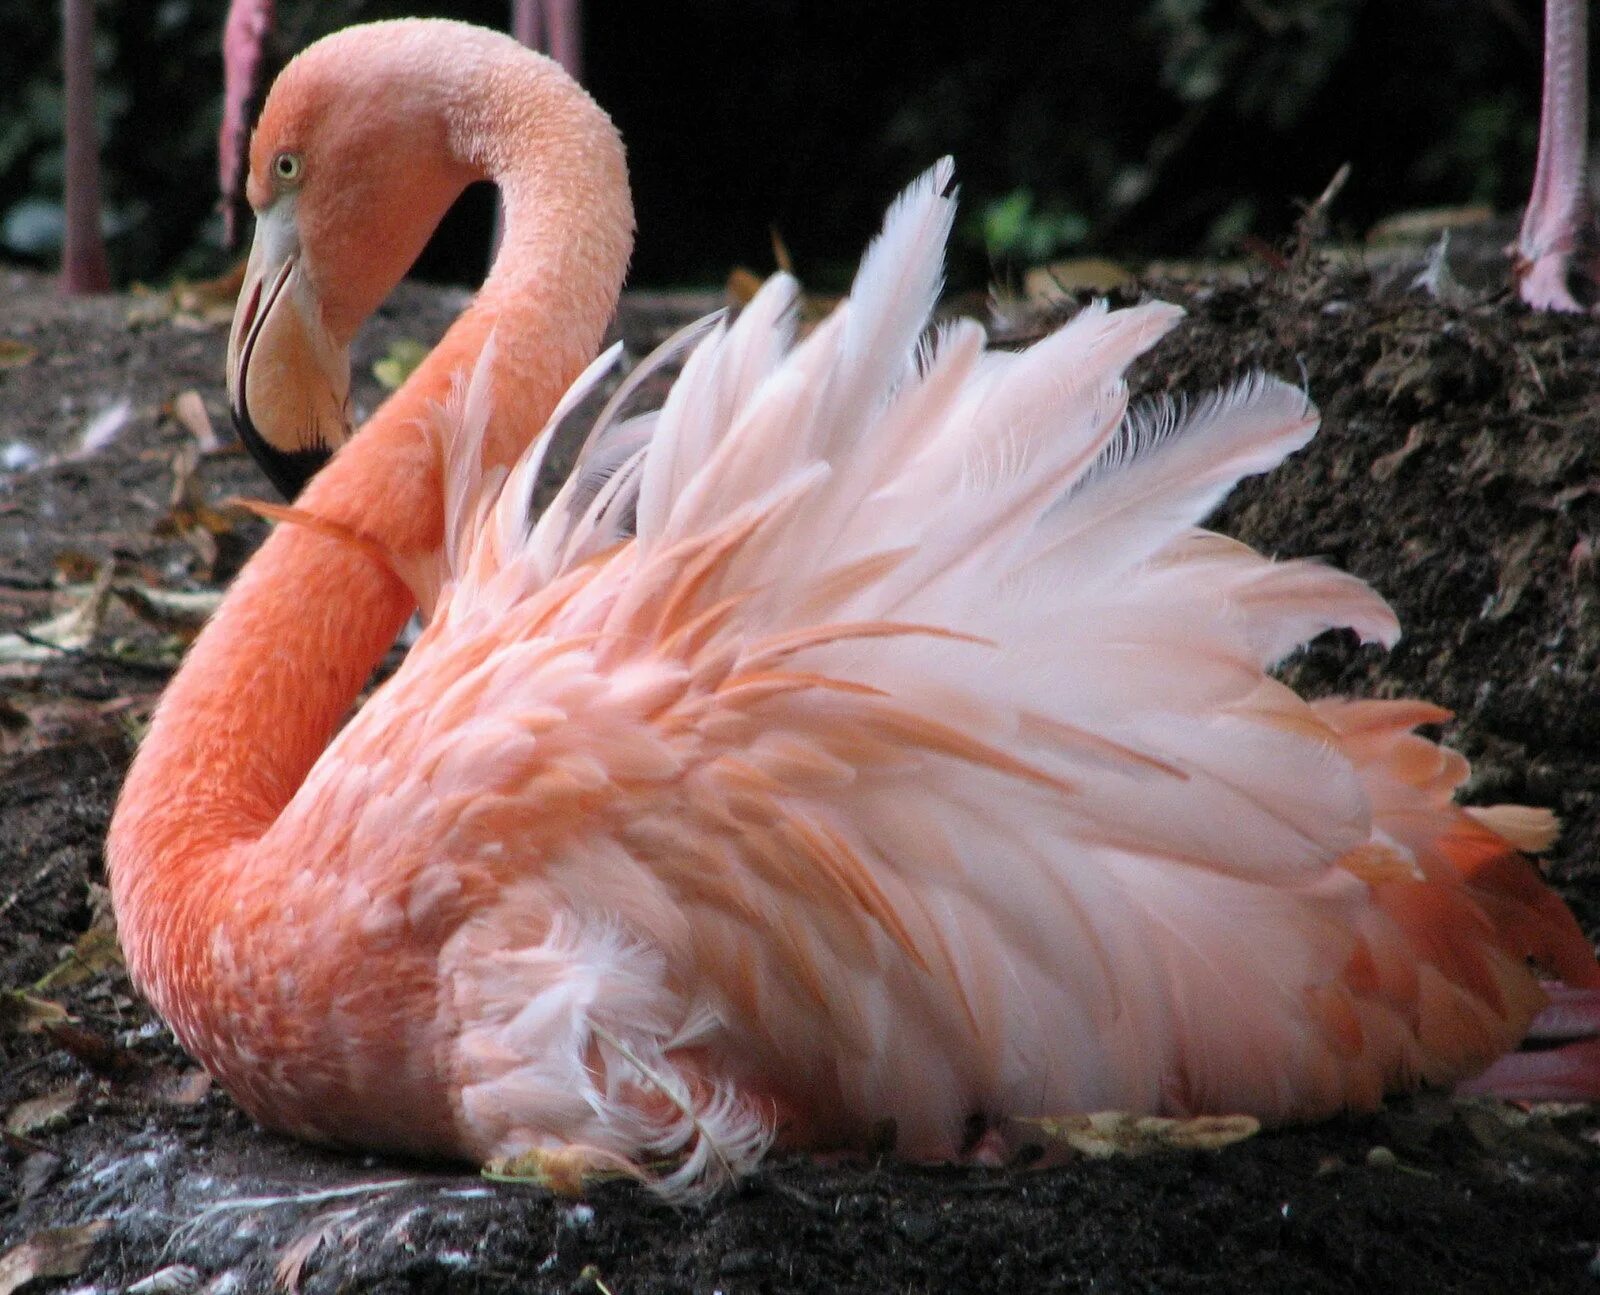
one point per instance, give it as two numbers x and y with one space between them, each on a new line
560 167
270 679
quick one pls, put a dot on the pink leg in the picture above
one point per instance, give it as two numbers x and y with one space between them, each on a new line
563 20
1566 1073
83 254
244 39
1556 237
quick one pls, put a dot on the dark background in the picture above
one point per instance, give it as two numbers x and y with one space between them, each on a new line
1129 126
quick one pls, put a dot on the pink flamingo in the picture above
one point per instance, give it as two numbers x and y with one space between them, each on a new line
869 733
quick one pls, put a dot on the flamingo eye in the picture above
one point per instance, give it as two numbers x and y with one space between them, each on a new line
287 167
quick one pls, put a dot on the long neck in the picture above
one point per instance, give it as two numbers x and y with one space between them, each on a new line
267 683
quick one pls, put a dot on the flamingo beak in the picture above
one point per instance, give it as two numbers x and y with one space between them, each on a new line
288 379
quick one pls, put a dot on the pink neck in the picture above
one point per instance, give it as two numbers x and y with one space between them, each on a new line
270 679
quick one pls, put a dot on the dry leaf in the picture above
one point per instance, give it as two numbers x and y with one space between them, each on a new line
566 1171
1062 280
24 1014
98 1052
1115 1133
74 567
174 1279
1385 466
14 354
41 1114
1426 224
190 412
70 631
29 721
208 530
55 1252
96 951
174 611
211 300
165 1086
195 307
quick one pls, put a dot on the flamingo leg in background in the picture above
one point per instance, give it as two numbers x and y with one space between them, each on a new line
244 39
83 253
553 27
550 27
1557 240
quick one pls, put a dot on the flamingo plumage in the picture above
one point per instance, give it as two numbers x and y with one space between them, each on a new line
868 733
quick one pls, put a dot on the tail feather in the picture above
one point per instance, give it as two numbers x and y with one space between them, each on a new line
1166 470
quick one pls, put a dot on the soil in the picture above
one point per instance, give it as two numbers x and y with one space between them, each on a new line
1458 469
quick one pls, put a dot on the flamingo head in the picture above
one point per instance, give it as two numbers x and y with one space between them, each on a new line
351 169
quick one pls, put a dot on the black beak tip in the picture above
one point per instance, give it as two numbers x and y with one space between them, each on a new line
288 470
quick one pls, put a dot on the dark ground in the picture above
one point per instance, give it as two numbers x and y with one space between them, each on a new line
1458 468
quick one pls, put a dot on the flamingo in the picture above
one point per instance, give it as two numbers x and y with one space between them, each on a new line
868 733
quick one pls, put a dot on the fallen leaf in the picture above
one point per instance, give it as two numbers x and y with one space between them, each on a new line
194 307
1514 1135
398 362
212 300
74 567
161 1085
176 611
566 1171
1518 566
1115 1133
43 1113
189 410
14 354
24 1014
95 1051
55 1252
174 1279
31 720
1387 465
70 631
210 531
1427 224
96 951
188 1088
1063 280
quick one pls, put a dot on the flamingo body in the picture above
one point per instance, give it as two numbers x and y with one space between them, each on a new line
869 733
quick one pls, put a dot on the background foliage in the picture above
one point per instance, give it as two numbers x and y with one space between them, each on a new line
1126 125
